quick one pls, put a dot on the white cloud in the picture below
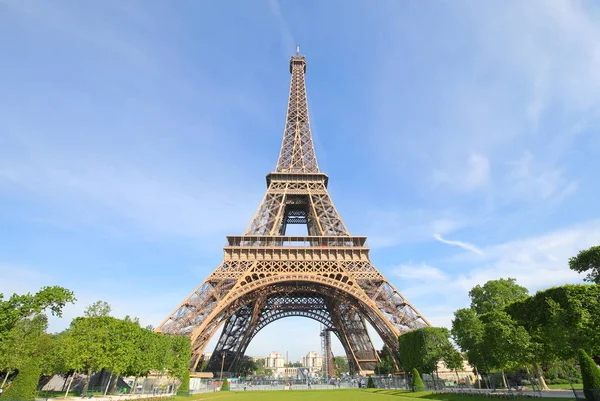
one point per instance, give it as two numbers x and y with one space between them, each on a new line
469 176
463 245
389 227
554 43
102 195
537 262
419 271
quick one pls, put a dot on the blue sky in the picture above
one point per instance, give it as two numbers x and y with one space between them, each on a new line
461 137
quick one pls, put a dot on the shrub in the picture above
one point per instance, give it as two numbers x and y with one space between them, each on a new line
24 387
590 374
417 383
370 383
225 386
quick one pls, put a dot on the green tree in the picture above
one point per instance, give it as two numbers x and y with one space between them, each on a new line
467 332
97 309
181 349
561 320
423 348
506 344
468 329
386 364
247 366
24 387
19 307
587 261
293 365
496 294
453 360
225 385
147 354
184 388
57 358
120 348
590 375
370 382
24 341
89 342
340 365
417 382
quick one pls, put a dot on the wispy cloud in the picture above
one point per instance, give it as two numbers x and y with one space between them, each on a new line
421 271
469 176
287 40
537 262
463 245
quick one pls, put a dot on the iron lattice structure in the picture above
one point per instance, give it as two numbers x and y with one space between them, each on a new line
265 275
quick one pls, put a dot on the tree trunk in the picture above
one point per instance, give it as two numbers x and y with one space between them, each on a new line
114 384
69 386
108 384
538 373
134 387
504 380
86 384
5 378
478 377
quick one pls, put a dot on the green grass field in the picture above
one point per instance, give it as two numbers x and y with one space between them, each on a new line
336 395
298 395
565 386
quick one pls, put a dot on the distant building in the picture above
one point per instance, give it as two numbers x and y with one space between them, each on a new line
313 361
274 360
466 375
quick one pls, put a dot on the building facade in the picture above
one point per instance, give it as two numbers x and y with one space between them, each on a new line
274 361
312 361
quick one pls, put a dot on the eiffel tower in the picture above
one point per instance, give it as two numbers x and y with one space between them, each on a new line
265 275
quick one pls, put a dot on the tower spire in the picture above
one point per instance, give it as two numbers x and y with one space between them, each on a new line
297 151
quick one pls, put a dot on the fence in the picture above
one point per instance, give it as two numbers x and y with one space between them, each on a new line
390 382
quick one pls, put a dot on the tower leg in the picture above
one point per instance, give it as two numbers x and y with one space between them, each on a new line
352 328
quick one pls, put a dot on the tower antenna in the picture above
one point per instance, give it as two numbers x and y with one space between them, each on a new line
297 50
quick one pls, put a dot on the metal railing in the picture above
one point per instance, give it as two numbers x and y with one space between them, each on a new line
289 241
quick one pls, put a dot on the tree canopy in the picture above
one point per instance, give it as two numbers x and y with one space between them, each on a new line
561 320
424 348
19 307
386 364
587 261
496 294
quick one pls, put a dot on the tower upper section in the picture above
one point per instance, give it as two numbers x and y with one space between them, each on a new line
297 151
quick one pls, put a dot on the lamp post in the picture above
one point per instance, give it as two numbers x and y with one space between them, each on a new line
222 365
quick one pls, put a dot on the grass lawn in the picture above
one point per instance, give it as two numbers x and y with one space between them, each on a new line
336 395
565 386
317 395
